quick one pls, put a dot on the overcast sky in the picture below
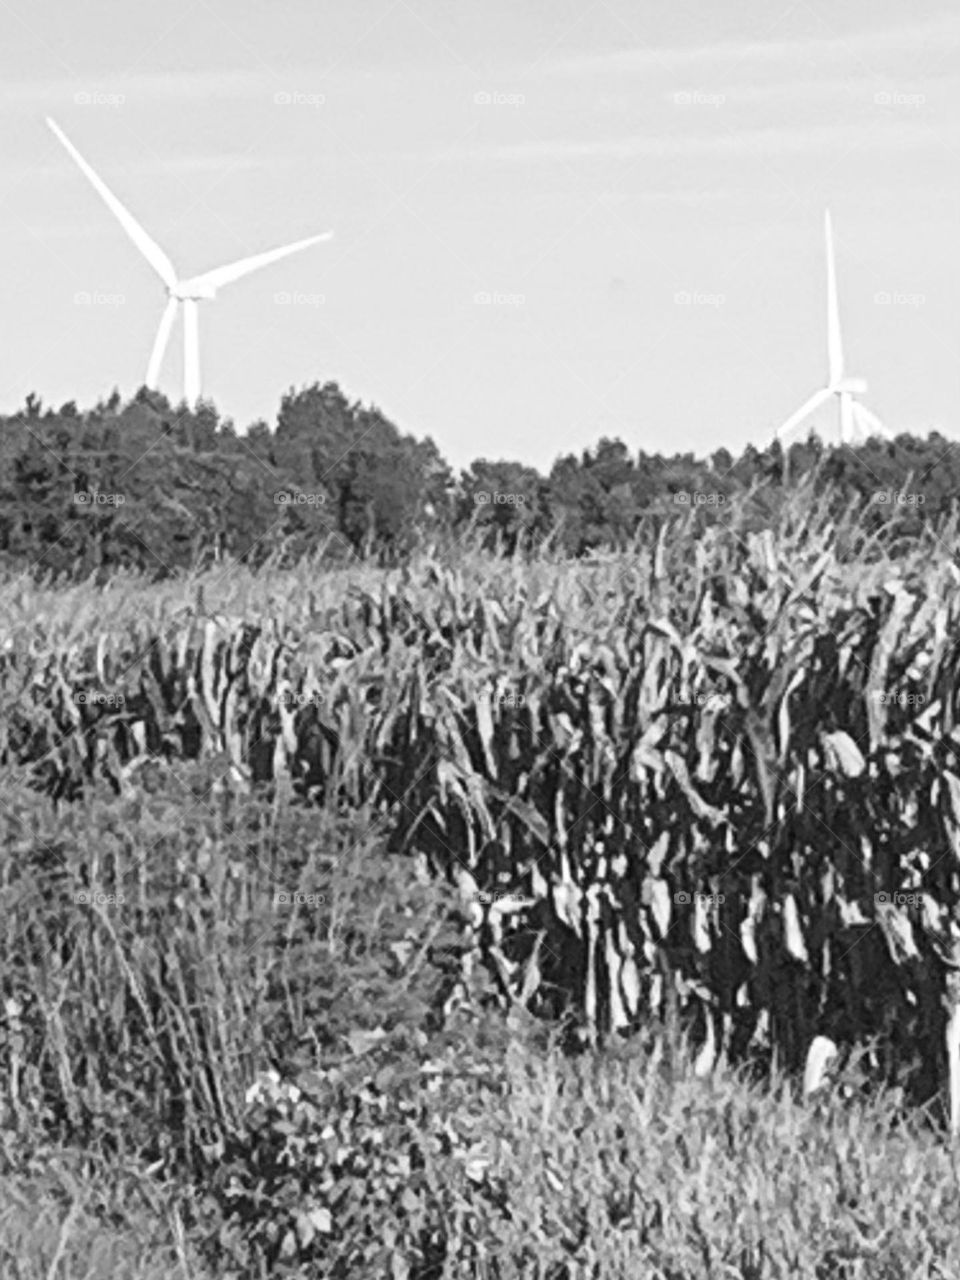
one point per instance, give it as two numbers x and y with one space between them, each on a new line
637 189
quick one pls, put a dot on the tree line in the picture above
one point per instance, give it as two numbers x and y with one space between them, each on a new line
159 488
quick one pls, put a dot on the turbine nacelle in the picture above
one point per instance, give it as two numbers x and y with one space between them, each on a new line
194 290
850 386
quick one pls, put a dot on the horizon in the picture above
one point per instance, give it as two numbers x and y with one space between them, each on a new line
547 229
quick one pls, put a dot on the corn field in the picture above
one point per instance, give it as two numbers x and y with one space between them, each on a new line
712 782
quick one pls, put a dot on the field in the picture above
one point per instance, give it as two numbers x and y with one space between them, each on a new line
475 918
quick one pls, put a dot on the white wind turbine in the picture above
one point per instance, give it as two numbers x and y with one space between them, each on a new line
857 423
187 292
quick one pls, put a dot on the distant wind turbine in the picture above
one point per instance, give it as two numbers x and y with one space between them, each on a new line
857 423
179 292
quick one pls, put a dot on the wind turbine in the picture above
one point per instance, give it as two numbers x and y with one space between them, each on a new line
186 293
857 423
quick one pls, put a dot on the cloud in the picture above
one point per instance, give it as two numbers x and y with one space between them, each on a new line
935 34
807 92
760 143
200 164
177 166
142 88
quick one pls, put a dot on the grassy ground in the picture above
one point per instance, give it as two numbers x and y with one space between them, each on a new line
597 1167
420 1144
64 1215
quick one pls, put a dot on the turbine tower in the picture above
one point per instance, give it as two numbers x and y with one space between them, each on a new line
857 423
186 293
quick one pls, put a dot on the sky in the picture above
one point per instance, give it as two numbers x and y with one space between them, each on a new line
554 220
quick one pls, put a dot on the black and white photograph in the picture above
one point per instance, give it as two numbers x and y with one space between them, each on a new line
480 640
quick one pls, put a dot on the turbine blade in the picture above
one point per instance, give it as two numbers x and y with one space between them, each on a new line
191 351
145 243
817 399
234 270
834 339
848 422
161 340
868 422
